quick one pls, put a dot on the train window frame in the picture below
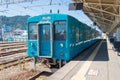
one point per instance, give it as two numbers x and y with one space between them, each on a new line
35 36
65 35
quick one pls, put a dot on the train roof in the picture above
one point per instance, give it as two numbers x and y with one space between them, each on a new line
50 14
38 17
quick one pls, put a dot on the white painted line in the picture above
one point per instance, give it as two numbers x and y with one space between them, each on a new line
80 75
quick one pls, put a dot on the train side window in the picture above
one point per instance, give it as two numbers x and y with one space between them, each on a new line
87 34
73 33
81 34
77 34
32 31
60 30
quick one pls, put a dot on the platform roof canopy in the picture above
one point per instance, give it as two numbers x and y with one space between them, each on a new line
105 13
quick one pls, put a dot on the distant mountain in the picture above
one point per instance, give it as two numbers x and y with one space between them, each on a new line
14 22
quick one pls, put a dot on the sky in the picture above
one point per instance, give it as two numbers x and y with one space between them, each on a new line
43 6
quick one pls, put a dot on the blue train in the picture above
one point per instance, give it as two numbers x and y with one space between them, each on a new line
58 37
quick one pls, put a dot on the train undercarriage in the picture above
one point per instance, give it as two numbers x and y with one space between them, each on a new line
49 62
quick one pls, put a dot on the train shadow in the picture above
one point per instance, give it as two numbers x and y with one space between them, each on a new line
101 55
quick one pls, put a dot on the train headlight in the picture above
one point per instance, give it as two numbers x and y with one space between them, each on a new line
61 45
31 44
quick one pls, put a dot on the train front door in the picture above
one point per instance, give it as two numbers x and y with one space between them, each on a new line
45 40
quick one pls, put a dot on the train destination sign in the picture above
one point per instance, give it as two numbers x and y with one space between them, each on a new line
46 18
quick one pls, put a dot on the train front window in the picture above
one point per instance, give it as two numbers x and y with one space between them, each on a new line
46 31
32 30
60 30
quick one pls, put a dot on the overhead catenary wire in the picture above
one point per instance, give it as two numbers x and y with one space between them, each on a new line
6 2
33 7
50 4
27 7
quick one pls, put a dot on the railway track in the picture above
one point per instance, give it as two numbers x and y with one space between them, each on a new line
9 48
14 62
5 42
11 58
12 53
12 47
12 44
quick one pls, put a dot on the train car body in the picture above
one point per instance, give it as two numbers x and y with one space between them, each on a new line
58 36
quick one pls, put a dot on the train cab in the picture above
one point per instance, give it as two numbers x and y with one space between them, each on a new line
47 38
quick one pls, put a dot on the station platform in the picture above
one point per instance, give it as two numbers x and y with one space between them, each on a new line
102 64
